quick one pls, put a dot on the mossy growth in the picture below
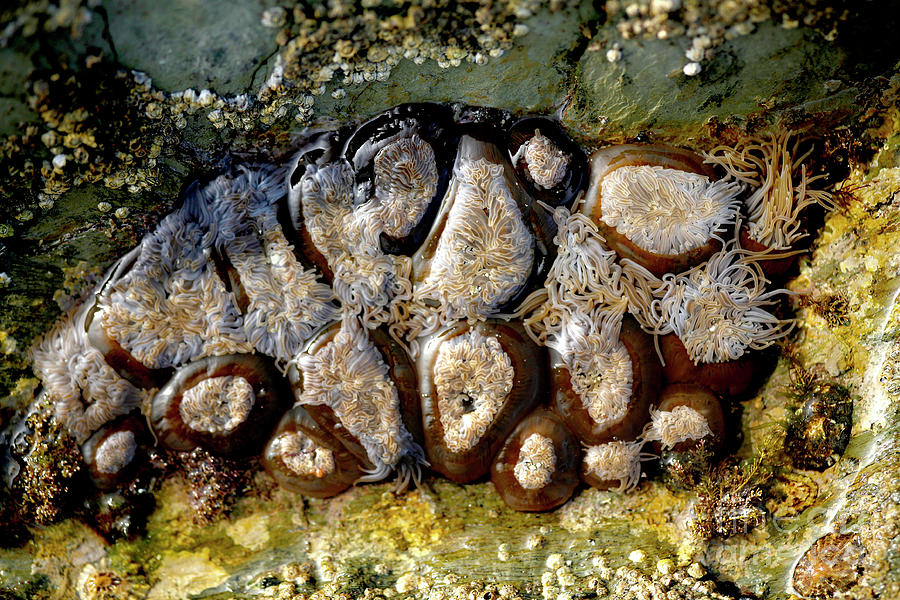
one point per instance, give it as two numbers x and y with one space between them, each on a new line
834 308
684 470
215 483
731 497
50 468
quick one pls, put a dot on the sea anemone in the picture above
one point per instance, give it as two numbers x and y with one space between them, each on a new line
537 468
111 452
686 415
305 458
718 309
344 372
551 167
86 392
613 465
434 287
347 234
481 252
659 206
282 302
477 381
225 404
774 168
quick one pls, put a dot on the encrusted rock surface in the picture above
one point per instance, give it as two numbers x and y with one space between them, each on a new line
138 138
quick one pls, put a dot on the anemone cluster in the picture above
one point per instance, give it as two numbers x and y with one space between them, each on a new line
443 287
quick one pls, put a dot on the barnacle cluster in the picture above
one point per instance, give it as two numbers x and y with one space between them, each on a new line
708 25
443 287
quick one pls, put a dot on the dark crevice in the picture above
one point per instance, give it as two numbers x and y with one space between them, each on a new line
107 36
262 63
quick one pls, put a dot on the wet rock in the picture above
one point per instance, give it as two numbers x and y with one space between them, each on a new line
647 88
185 44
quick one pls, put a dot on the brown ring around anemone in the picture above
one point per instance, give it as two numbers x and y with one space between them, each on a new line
537 468
731 378
226 404
646 373
662 163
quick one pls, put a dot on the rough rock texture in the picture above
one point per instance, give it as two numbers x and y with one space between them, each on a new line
60 226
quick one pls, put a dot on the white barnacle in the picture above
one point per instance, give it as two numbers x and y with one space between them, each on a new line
718 309
286 302
349 375
347 234
406 179
217 405
671 427
667 211
473 377
546 163
485 253
615 461
537 462
302 455
773 166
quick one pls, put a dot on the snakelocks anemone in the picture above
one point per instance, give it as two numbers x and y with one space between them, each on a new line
443 287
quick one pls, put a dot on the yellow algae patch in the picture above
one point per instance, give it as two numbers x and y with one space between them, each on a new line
251 532
8 343
652 507
181 574
854 261
403 523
